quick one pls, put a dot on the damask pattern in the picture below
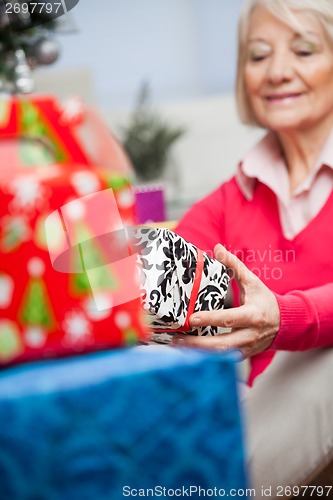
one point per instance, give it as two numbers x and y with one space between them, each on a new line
168 264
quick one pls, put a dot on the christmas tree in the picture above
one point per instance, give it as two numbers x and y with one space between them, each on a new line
26 41
36 309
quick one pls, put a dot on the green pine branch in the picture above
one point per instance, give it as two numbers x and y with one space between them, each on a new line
148 138
19 34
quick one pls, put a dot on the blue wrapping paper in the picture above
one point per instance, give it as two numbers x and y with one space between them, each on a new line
86 427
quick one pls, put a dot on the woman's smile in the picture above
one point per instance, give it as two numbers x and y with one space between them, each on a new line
288 74
282 98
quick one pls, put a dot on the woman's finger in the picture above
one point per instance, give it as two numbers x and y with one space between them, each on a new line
235 317
245 340
210 343
248 341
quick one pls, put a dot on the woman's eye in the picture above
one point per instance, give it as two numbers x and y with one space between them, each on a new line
304 53
257 57
305 49
258 52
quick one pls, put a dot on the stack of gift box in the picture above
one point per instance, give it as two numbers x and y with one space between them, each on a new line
86 427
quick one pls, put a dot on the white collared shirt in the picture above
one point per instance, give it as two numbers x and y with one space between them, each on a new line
265 163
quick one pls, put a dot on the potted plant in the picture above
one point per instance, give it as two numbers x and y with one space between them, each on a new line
148 138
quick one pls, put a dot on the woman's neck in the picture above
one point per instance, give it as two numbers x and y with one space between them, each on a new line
301 149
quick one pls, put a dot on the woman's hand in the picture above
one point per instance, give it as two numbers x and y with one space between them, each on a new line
254 324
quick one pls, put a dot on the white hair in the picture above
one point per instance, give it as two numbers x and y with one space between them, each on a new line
285 11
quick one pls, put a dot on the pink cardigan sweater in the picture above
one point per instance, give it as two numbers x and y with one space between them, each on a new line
299 270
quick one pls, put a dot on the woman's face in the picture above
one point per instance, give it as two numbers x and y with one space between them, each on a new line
288 76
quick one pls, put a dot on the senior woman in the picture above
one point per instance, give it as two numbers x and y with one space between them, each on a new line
276 215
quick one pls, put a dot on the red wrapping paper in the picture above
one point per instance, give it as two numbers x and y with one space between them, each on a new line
44 166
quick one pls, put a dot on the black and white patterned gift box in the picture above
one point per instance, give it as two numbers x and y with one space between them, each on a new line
177 279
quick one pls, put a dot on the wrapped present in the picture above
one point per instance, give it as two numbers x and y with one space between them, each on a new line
143 417
177 279
43 166
149 203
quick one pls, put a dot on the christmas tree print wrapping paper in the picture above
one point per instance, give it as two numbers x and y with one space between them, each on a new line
43 167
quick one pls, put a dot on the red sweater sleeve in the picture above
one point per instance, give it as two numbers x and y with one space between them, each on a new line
203 224
306 319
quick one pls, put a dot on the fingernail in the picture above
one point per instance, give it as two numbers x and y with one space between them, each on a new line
177 340
195 321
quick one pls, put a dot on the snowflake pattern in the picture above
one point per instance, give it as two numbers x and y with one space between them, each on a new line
28 193
78 331
72 111
34 336
85 182
36 267
125 198
123 320
103 310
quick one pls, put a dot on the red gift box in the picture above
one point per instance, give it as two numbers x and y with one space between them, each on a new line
43 167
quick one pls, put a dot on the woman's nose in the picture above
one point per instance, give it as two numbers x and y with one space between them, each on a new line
280 68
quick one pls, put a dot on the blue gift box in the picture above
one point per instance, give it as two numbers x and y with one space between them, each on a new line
111 425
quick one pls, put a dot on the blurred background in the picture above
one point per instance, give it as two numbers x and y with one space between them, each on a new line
184 53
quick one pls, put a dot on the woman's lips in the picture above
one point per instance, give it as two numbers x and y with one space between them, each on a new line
285 98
